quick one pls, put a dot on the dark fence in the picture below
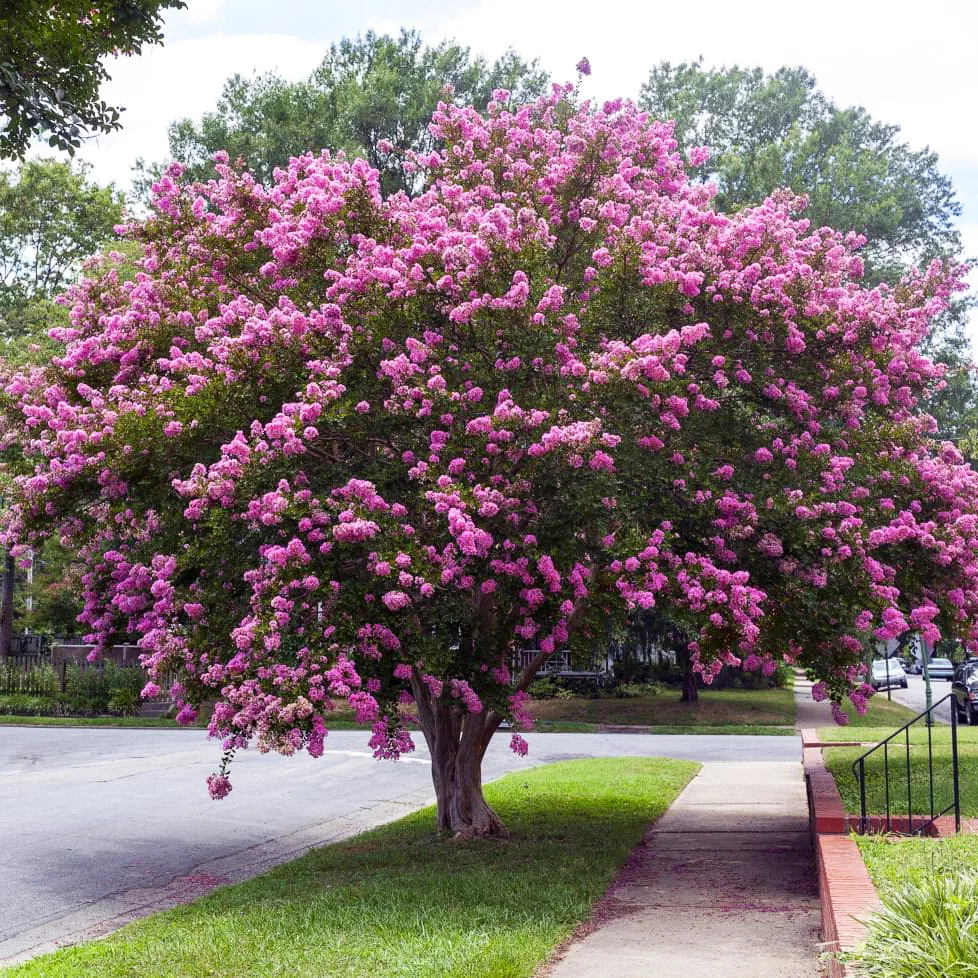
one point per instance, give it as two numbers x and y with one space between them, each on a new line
916 770
33 672
39 644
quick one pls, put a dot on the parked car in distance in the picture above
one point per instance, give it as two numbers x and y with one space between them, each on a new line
940 669
887 672
964 686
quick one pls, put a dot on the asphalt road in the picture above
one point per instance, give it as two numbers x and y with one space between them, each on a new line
102 826
914 696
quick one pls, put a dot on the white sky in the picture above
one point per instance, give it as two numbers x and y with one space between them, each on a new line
912 65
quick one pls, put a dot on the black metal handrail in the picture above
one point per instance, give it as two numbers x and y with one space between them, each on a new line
859 773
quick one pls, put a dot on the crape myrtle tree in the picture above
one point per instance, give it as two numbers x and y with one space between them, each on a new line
329 446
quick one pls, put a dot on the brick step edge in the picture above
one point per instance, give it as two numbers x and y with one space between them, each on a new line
845 891
846 895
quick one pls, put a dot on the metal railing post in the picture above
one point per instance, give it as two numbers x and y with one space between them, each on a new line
909 799
891 795
862 795
954 767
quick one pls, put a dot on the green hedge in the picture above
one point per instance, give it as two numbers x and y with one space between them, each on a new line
90 690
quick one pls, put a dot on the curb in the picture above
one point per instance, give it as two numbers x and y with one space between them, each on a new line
846 892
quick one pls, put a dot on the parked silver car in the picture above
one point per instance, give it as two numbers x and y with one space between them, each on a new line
887 672
940 669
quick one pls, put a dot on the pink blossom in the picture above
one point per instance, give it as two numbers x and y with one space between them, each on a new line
219 786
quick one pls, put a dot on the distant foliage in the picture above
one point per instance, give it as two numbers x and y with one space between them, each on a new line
372 96
766 131
52 218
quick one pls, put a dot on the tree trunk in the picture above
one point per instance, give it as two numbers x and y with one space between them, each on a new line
690 693
7 606
457 741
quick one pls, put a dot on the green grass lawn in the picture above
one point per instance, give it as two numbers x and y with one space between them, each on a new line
397 902
881 714
732 711
16 721
741 708
893 862
839 761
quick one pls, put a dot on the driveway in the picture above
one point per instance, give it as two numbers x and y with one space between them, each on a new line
102 826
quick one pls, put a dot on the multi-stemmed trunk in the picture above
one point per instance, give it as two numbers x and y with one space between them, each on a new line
457 741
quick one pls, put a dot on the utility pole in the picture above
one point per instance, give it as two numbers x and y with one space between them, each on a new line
7 606
925 668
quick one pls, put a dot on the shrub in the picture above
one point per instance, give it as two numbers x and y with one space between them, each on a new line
926 930
91 690
544 689
662 671
627 691
731 678
27 705
125 688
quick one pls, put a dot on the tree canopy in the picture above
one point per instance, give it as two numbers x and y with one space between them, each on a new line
372 96
768 131
332 444
52 64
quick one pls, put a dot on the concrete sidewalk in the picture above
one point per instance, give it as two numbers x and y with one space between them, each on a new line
723 885
808 713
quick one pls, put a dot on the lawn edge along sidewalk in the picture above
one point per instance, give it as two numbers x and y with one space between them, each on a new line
846 892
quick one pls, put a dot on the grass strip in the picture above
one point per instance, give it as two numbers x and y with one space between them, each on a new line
893 861
736 711
543 726
397 902
940 733
741 729
340 723
17 721
839 761
714 708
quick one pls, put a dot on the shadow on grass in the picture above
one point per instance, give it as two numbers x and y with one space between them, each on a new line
399 902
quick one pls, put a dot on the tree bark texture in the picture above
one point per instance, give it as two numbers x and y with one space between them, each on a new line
690 693
457 741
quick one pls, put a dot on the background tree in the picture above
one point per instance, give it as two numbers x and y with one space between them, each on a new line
779 130
52 65
372 97
770 131
55 592
331 444
52 217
